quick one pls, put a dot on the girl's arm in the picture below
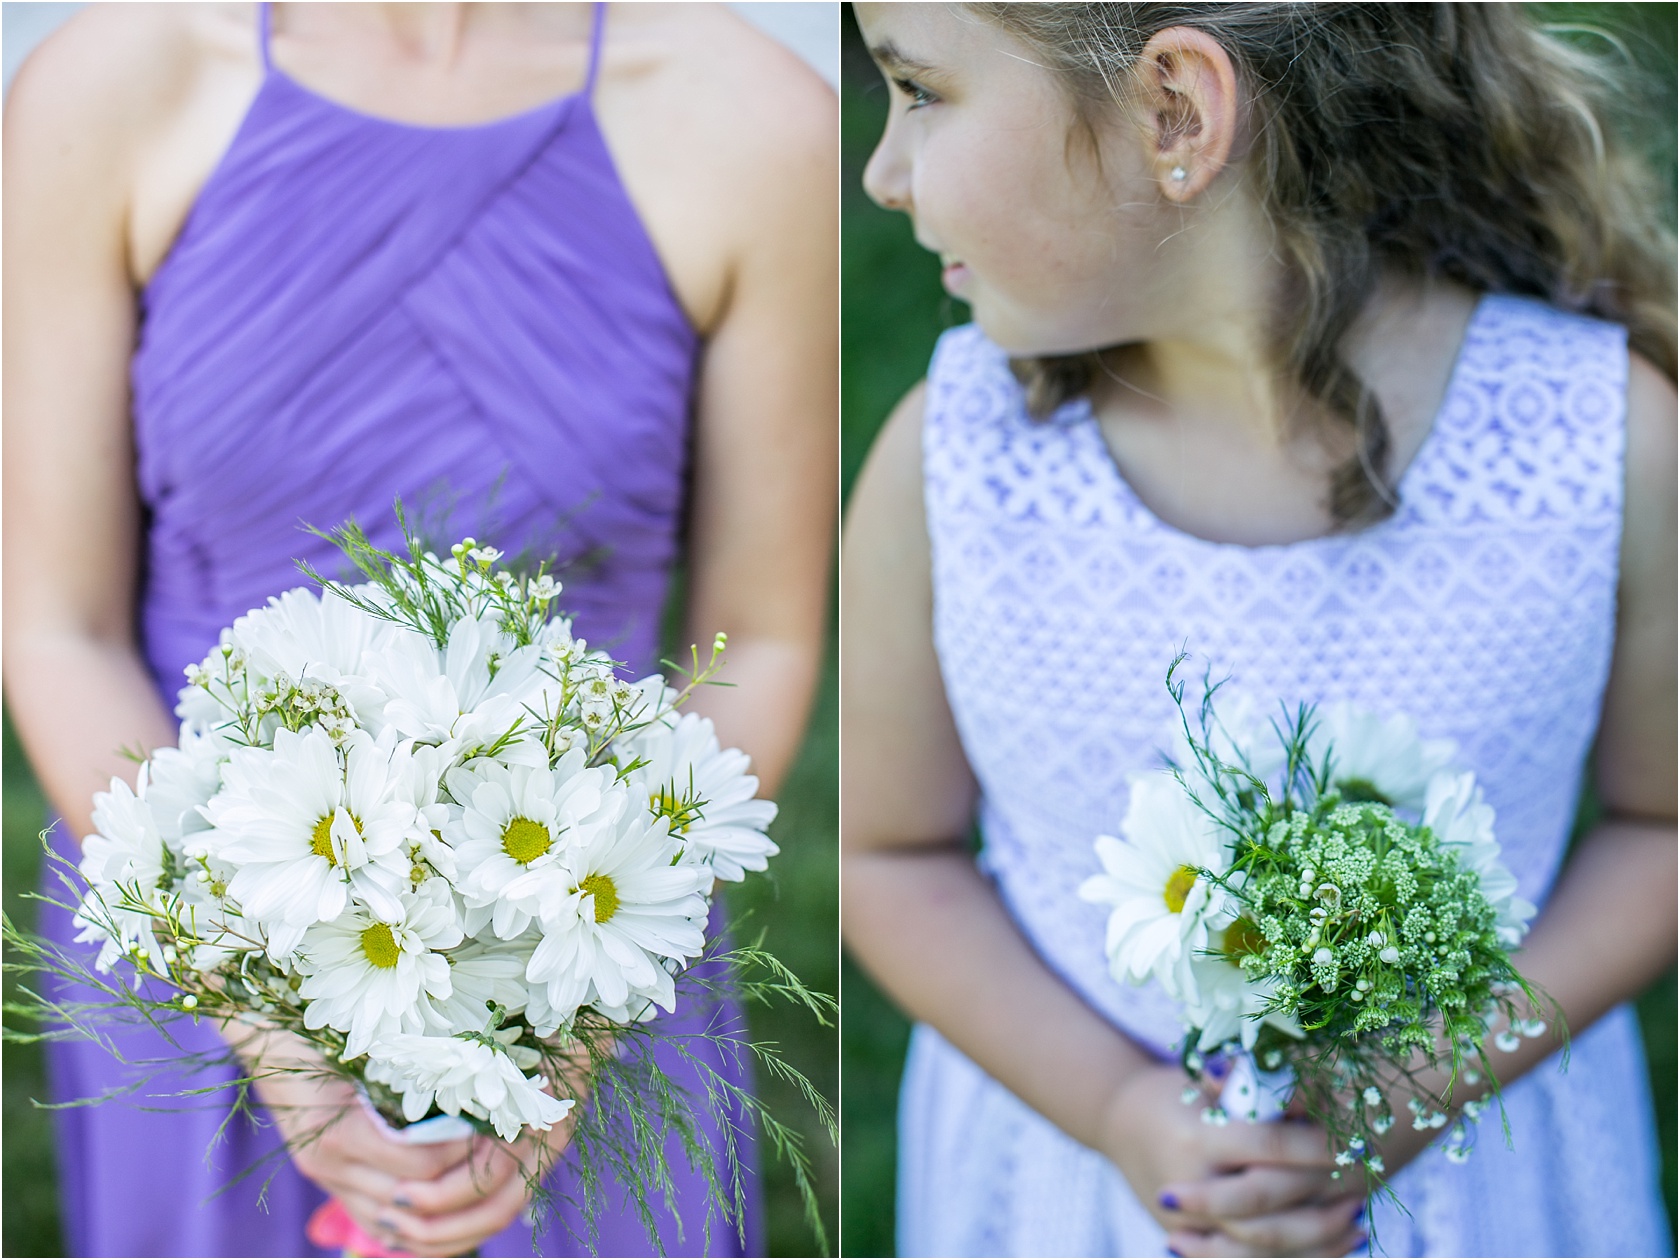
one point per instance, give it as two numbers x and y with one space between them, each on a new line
1608 930
923 921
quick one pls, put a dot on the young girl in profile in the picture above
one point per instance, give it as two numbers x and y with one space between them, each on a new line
1337 342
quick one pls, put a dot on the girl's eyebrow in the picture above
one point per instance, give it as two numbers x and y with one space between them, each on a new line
892 59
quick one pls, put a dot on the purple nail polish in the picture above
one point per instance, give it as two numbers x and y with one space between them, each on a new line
1174 1251
1169 1200
402 1201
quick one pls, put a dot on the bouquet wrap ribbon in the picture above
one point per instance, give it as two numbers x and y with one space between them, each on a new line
333 1226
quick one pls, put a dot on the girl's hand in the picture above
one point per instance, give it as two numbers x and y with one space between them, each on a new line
1234 1189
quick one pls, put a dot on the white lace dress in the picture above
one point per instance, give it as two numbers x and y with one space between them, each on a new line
1485 608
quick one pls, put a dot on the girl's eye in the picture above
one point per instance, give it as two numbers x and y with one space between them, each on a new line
918 94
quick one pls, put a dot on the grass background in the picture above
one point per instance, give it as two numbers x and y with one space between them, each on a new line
893 310
794 903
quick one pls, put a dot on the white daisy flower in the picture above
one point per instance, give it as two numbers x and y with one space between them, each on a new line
482 974
474 691
181 781
627 910
1228 1005
1377 758
1455 811
323 643
470 1075
125 854
704 792
516 827
1163 907
366 976
420 784
304 830
301 635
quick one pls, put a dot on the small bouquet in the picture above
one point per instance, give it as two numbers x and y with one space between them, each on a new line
419 824
1324 896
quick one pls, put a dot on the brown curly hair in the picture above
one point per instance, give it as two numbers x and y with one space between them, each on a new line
1459 141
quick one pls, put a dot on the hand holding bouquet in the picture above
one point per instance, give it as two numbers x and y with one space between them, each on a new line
1324 897
417 824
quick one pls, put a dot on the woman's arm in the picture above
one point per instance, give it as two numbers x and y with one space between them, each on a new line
762 517
82 125
931 930
75 683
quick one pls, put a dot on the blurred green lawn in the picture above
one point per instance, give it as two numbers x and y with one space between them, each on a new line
794 904
893 310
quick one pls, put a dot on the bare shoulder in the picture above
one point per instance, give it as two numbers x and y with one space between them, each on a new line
890 483
96 102
1651 425
739 113
724 74
1648 531
1636 740
117 68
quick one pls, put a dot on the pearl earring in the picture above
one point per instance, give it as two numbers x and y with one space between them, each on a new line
1178 174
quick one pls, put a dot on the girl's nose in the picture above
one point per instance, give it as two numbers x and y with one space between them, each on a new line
887 177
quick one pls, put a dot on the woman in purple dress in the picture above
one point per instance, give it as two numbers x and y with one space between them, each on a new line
559 276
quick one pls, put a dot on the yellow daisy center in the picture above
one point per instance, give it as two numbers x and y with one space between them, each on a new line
682 812
320 840
1177 891
380 946
1242 938
605 893
525 841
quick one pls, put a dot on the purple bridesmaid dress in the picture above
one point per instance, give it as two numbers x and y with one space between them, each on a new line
472 318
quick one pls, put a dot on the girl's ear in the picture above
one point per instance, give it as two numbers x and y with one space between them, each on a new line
1187 94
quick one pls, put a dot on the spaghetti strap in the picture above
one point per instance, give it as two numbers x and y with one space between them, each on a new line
597 29
265 27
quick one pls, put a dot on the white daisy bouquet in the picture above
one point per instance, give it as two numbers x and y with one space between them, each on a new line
419 824
1323 894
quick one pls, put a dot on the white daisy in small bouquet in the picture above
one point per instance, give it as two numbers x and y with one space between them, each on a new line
417 823
1324 896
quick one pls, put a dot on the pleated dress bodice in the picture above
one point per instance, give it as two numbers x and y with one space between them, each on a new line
471 318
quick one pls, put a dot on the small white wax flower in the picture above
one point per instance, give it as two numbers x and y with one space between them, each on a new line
1376 940
1507 1041
1323 955
1373 1095
1391 956
189 1002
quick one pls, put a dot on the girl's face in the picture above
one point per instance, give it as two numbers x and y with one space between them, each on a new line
1054 244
